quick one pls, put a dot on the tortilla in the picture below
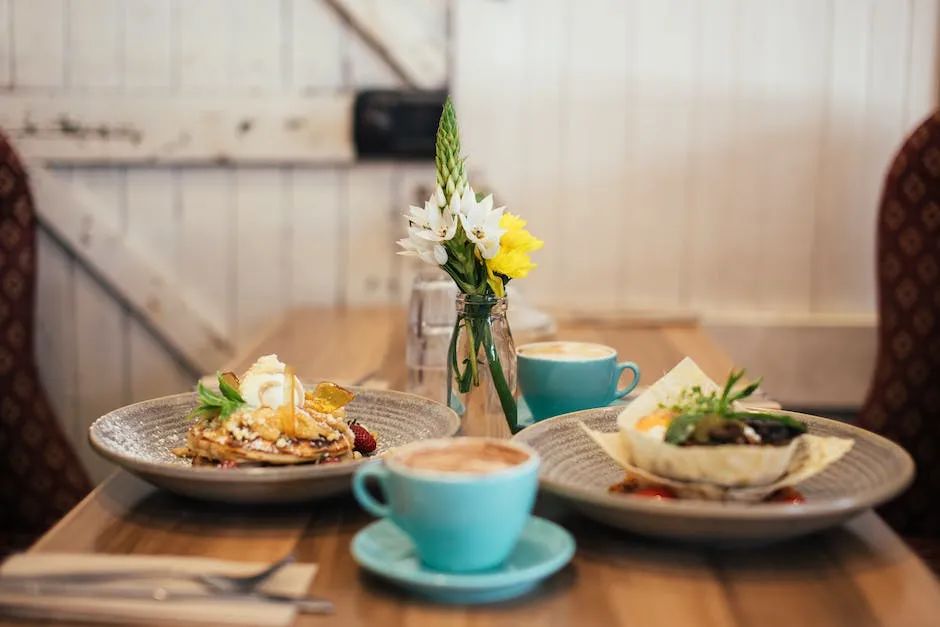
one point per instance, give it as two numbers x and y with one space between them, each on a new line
813 455
724 471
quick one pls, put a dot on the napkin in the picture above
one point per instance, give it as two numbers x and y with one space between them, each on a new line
293 579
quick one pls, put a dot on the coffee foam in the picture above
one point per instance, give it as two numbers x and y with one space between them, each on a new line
478 458
566 351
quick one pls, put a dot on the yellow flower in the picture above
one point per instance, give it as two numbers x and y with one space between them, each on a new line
512 260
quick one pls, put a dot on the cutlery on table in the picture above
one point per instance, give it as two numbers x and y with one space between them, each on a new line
305 604
214 582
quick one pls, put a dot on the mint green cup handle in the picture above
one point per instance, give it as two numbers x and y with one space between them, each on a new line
632 367
380 473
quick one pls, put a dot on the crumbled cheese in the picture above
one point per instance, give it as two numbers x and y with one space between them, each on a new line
751 435
281 442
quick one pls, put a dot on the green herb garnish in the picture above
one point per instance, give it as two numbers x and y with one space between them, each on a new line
694 405
218 405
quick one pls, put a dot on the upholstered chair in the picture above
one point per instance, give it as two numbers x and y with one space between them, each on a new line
903 401
40 476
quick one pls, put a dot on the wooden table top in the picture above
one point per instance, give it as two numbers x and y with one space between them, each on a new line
858 574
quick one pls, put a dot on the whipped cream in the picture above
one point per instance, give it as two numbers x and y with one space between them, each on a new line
266 384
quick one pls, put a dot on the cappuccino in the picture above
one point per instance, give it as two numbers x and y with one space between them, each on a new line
469 457
565 351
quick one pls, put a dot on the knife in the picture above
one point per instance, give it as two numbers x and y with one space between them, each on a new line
304 604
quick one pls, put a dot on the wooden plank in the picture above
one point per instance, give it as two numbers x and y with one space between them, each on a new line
317 48
363 335
153 371
922 84
38 43
255 67
261 258
104 507
541 179
6 43
595 151
887 88
315 206
804 365
74 217
792 122
409 35
55 339
844 229
153 229
201 57
712 146
366 68
101 377
655 198
149 130
414 183
370 226
206 260
146 51
741 218
94 44
151 217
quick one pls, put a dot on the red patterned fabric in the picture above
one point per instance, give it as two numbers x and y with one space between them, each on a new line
40 476
904 397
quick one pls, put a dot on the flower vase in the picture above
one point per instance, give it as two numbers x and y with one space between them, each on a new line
481 367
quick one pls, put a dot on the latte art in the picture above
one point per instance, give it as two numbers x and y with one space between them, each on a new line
465 457
565 351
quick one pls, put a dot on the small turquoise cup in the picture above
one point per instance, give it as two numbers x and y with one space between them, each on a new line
561 377
459 522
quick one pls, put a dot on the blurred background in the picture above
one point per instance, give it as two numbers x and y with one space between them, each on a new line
196 173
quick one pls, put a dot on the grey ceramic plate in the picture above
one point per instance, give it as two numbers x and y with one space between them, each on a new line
140 437
575 469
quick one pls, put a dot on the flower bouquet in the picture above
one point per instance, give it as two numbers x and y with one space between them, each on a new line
481 248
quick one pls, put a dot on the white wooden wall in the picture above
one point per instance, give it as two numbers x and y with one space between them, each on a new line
716 155
720 155
250 241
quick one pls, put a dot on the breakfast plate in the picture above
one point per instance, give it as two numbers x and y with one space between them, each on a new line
576 470
142 438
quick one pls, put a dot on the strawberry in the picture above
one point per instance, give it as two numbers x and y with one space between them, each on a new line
365 441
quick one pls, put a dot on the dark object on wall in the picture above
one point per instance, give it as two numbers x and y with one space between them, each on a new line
391 124
903 400
40 476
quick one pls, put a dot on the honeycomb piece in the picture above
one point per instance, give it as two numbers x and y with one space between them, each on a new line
328 397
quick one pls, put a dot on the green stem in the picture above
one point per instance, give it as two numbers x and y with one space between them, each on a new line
473 347
506 399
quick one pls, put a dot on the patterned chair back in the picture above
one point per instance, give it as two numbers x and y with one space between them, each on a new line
40 476
903 400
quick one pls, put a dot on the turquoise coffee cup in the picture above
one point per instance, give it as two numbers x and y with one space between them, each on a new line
459 522
561 377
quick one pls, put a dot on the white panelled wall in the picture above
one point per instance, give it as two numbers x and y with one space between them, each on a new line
719 156
248 241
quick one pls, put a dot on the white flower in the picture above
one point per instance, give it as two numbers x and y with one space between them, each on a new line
436 222
416 245
480 222
428 227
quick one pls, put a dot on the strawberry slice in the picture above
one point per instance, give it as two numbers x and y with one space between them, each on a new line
365 441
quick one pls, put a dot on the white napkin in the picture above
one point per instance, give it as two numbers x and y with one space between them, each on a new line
293 580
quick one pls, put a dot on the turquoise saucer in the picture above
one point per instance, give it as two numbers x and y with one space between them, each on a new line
524 417
385 550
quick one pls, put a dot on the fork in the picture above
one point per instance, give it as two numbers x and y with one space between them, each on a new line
217 583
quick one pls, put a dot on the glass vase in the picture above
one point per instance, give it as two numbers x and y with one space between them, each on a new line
430 325
481 367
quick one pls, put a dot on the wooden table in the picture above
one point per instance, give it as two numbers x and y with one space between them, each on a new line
859 574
